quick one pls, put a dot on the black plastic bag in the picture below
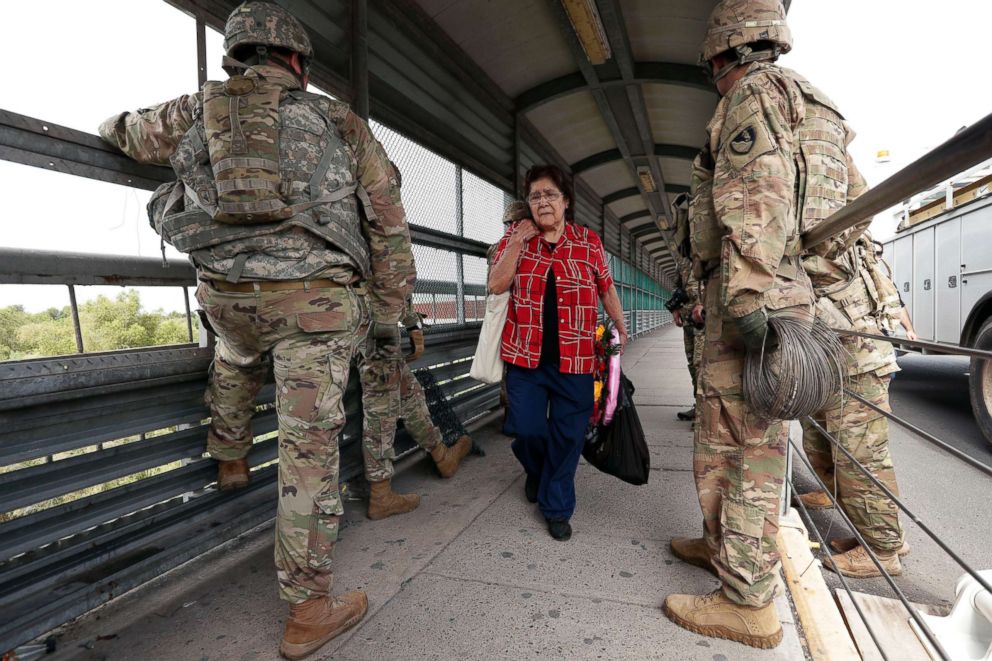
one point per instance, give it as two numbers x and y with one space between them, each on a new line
619 449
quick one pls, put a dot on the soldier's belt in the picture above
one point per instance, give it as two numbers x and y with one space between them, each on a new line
273 285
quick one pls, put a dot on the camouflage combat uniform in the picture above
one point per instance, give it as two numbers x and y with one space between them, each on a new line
745 242
849 300
297 301
692 336
390 391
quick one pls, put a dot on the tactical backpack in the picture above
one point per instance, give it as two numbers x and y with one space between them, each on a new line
241 124
234 185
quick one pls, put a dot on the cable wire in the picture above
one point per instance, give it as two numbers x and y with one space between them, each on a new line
800 375
913 613
843 580
915 519
985 468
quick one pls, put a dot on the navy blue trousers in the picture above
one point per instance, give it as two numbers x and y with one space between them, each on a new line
549 413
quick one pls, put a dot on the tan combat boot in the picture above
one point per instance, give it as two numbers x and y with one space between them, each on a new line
856 563
845 544
718 617
816 500
447 459
384 502
316 621
694 551
232 474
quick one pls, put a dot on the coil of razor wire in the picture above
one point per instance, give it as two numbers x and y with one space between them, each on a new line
799 376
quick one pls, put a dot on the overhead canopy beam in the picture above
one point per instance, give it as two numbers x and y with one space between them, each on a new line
666 73
631 217
624 193
638 232
612 155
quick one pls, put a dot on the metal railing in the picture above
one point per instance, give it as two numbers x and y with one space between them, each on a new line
103 478
969 147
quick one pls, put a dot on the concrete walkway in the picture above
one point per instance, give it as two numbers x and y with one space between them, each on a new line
472 574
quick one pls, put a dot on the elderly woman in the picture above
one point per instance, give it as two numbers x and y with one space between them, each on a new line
557 273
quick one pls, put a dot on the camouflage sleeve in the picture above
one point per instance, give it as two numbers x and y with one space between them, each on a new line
393 270
753 190
150 135
692 288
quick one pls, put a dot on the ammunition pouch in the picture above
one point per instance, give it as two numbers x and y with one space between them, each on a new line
850 303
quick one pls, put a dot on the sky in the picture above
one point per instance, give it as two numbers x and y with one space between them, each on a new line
905 73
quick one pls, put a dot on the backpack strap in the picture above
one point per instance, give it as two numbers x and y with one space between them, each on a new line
312 100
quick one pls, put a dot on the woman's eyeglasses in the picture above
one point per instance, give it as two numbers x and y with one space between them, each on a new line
535 198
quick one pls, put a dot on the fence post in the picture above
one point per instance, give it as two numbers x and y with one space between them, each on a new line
459 257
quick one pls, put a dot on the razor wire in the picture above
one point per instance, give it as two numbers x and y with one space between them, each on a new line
798 377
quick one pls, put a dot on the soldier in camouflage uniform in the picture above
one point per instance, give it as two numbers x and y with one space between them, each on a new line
772 142
688 316
285 282
390 391
848 299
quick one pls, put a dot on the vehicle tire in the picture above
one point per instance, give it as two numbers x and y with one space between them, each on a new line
980 382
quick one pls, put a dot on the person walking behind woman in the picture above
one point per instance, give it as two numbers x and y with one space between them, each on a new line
557 273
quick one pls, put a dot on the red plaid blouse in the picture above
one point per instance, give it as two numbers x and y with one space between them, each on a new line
581 275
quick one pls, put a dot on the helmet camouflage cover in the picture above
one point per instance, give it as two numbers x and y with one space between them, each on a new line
734 23
265 23
517 210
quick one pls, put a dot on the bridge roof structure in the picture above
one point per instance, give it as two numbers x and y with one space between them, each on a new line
499 86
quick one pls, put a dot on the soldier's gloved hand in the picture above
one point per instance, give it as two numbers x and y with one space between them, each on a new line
387 339
754 328
416 336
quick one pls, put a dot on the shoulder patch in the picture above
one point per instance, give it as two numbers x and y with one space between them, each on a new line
743 142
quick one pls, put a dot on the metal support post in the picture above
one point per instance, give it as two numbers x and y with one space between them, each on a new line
201 52
459 257
360 58
75 319
189 317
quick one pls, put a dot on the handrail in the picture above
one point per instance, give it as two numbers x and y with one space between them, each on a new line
969 147
19 266
936 347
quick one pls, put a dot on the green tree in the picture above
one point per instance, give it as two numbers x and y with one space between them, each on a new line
108 324
11 319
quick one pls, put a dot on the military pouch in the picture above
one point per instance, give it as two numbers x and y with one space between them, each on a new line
821 166
851 299
241 123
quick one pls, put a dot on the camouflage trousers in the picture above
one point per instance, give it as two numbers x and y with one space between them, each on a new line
739 467
390 391
865 434
312 336
693 352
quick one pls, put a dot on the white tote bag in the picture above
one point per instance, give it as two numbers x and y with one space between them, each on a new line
487 366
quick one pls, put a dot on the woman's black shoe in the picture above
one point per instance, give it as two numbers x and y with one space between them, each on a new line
530 488
560 530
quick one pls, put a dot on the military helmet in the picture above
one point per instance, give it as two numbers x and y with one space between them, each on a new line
268 24
736 23
516 211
